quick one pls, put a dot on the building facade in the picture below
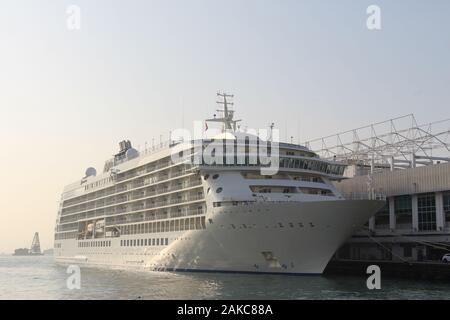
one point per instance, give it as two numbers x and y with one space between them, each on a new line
414 225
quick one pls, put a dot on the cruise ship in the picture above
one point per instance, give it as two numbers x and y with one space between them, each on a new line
231 202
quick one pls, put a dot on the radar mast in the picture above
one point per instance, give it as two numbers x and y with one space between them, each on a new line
227 114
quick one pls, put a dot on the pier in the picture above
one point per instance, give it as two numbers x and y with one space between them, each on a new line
407 270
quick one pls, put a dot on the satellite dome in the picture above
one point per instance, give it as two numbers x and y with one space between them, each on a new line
91 172
132 153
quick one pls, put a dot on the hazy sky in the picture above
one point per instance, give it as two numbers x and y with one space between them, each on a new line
137 69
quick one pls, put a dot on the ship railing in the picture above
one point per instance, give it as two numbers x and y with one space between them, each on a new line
173 201
121 189
159 204
138 184
64 221
165 165
136 174
125 199
166 190
187 213
364 196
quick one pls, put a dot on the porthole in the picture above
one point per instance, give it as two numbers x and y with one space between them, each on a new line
205 177
219 190
215 176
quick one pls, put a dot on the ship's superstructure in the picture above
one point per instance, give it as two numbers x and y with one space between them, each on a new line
214 204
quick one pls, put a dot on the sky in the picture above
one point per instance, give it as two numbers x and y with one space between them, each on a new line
138 69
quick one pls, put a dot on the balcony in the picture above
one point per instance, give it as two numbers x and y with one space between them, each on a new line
122 199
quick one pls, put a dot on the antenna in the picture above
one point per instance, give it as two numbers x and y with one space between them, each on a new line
182 112
227 114
285 130
271 126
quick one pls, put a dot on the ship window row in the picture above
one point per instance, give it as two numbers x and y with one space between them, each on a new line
248 145
297 153
218 190
313 165
273 189
214 177
232 203
317 191
256 175
66 235
282 176
94 244
98 184
144 242
287 189
195 223
288 163
307 178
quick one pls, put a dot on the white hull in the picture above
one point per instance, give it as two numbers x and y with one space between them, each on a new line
267 237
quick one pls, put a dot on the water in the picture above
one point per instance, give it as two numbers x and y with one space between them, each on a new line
42 278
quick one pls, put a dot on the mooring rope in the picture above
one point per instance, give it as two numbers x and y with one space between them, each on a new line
410 240
380 244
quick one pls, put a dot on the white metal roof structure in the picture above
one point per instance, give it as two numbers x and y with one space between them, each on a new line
395 143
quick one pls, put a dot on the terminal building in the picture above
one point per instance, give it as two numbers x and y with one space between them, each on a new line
410 164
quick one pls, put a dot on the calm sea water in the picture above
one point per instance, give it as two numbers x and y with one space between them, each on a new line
42 278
